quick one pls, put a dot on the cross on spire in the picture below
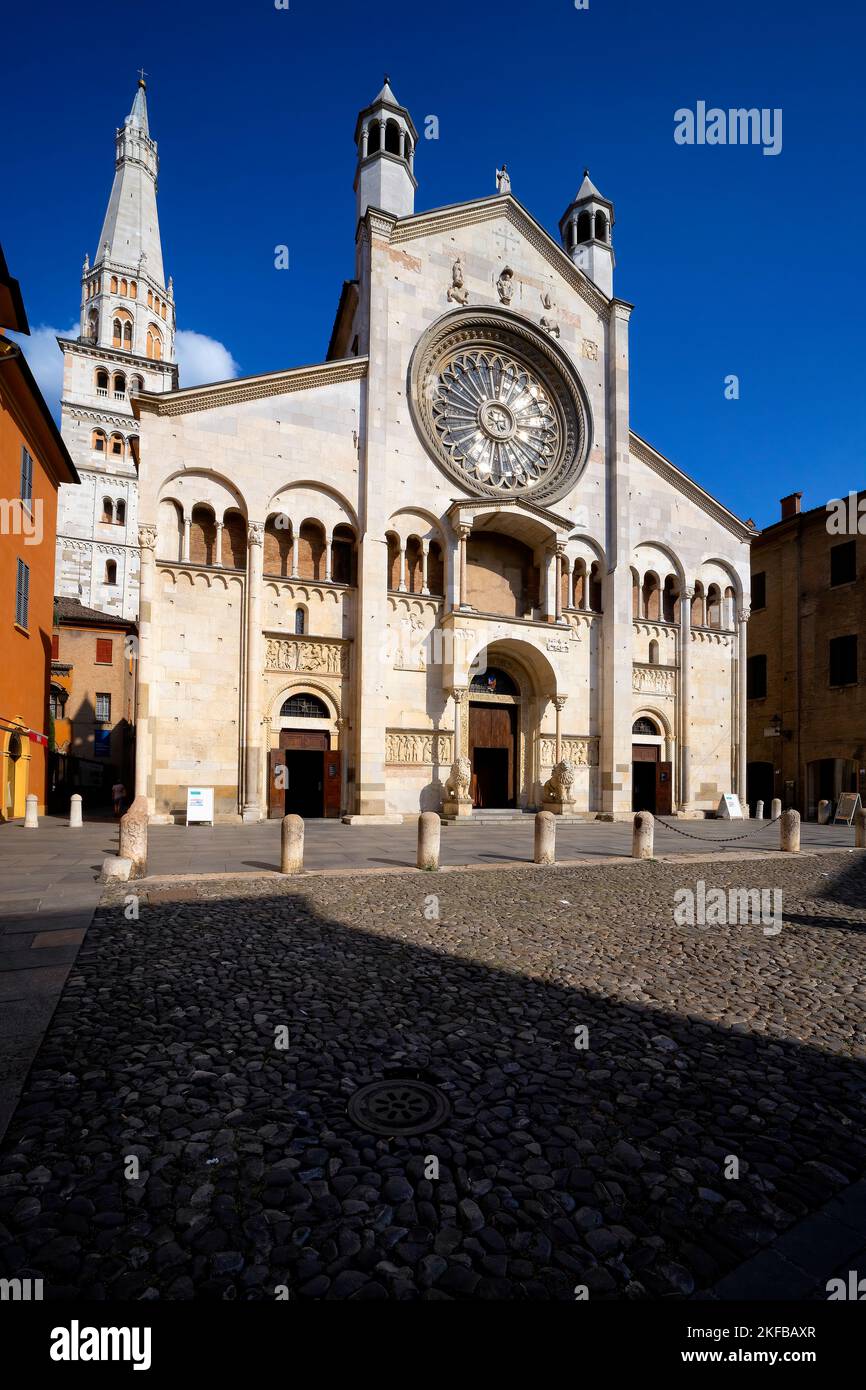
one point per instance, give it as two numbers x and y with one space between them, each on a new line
141 76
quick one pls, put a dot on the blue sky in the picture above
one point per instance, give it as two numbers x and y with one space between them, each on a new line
737 262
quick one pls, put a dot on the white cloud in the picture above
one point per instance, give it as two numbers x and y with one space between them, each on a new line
201 359
45 360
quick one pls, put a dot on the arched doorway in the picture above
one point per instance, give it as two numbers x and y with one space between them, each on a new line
494 699
651 779
304 774
12 773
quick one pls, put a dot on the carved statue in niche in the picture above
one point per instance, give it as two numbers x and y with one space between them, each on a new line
503 180
505 285
457 290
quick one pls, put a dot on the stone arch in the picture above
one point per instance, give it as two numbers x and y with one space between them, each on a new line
303 685
541 676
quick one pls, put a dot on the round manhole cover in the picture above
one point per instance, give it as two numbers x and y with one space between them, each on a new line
398 1107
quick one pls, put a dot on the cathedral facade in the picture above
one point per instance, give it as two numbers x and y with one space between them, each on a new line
125 344
438 570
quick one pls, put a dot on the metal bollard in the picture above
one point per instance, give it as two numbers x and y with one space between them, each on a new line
860 829
292 845
759 810
429 835
823 812
545 838
75 817
775 808
31 812
133 837
790 832
643 832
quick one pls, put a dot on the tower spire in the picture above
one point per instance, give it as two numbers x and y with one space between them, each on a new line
130 230
385 137
585 227
126 283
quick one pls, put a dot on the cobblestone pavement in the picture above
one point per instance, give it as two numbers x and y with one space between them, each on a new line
559 1166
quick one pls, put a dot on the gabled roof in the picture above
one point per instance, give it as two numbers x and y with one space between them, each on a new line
247 388
640 449
12 312
71 611
454 215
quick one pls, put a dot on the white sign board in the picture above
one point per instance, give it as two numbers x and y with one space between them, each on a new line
849 802
199 804
729 807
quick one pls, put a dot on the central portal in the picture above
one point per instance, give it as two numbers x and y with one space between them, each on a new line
492 747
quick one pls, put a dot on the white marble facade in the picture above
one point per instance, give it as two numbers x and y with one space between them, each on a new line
345 548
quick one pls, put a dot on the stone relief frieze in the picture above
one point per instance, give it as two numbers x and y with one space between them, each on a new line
654 680
418 746
307 655
580 752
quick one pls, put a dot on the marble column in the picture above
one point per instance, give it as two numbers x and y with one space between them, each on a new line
463 533
401 583
253 760
559 705
343 745
557 569
686 596
329 539
742 705
425 552
187 523
218 556
460 696
144 726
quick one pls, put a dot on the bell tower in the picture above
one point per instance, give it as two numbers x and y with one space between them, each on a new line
125 344
385 138
585 228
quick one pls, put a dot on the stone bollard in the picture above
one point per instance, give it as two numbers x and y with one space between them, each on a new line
642 836
292 845
545 838
31 812
133 837
860 829
759 810
790 832
775 808
75 817
823 812
429 835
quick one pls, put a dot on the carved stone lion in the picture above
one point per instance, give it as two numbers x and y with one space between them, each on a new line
561 783
457 786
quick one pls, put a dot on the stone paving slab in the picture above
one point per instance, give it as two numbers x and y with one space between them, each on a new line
560 1166
48 894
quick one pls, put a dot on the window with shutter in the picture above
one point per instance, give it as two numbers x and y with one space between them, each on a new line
103 651
55 647
26 476
22 594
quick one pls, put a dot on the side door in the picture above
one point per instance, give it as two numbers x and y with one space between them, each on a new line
664 800
332 782
277 783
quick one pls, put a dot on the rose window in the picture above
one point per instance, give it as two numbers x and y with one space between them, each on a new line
499 406
495 420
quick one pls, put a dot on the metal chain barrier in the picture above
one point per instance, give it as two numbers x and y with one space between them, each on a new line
725 839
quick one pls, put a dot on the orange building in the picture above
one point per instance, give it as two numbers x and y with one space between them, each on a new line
33 463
